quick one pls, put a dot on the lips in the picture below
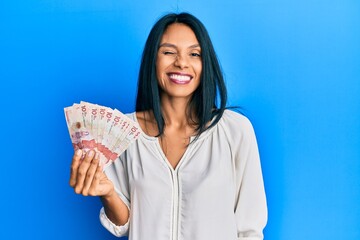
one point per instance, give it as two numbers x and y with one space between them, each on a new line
179 78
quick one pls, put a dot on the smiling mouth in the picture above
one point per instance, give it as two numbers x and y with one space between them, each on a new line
180 78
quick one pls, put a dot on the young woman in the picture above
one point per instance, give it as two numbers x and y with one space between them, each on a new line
194 173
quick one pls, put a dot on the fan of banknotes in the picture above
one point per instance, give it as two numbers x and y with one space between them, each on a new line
105 130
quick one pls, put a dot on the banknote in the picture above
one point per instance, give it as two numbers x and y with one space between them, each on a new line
94 127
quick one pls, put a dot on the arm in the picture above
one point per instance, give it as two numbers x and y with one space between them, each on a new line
88 179
115 209
250 205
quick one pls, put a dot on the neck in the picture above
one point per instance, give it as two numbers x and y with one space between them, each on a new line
174 112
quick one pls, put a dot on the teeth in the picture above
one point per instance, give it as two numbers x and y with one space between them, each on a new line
180 77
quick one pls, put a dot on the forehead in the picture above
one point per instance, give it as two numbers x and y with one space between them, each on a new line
179 34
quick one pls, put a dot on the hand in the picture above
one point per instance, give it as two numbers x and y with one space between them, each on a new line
87 177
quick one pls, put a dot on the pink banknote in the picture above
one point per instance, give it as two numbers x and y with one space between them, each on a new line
107 131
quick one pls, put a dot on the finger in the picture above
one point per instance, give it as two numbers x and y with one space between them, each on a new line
94 188
90 174
74 167
82 171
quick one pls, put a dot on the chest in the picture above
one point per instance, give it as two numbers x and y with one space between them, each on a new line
203 166
173 148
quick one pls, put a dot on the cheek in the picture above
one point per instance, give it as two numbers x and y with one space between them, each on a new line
158 71
160 75
198 69
160 68
161 82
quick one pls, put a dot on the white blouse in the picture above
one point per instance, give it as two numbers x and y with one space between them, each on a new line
215 192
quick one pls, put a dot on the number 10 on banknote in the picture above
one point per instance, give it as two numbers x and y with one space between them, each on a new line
107 131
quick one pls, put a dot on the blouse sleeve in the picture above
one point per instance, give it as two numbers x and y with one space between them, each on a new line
117 173
250 203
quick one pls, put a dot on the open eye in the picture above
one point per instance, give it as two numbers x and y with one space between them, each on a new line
195 54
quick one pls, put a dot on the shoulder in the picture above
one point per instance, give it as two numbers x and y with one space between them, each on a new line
236 127
131 115
147 122
139 117
235 120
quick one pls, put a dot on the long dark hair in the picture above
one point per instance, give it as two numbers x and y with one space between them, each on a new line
209 99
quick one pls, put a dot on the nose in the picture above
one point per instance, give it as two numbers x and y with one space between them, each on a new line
181 61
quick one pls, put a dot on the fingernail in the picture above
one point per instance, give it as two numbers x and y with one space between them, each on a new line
91 153
97 155
78 152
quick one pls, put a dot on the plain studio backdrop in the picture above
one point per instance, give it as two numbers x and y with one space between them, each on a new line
293 65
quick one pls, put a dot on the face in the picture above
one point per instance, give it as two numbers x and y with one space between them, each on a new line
178 65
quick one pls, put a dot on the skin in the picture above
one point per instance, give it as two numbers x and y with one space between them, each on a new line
179 54
88 179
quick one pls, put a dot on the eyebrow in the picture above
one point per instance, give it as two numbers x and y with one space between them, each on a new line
174 46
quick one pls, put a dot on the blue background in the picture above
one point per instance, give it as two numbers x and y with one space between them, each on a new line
293 65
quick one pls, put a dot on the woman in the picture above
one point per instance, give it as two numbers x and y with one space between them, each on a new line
195 171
